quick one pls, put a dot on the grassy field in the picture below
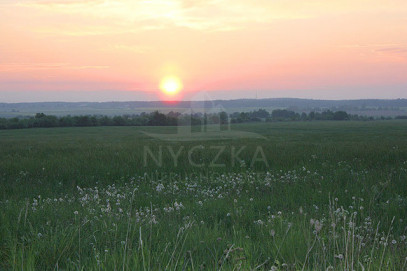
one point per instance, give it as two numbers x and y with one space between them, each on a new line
330 196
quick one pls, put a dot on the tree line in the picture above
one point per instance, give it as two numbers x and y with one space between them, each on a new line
288 115
40 120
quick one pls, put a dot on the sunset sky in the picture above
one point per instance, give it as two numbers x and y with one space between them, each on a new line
103 50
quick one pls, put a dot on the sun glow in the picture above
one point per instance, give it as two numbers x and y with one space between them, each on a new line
171 85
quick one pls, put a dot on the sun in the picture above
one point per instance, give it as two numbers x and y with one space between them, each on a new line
171 85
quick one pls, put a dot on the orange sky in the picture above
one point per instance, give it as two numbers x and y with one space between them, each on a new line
121 49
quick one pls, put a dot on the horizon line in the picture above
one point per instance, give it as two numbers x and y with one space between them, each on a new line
186 101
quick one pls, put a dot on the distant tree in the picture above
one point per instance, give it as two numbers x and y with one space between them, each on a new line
15 123
3 123
105 121
158 119
42 120
261 113
340 115
213 118
173 114
39 115
223 117
283 114
311 115
66 121
244 117
94 121
119 121
82 121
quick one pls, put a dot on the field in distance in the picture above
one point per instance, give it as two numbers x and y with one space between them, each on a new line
304 195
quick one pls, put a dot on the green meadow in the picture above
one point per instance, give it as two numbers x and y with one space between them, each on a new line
307 196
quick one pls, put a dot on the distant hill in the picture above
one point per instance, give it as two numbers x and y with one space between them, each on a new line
368 107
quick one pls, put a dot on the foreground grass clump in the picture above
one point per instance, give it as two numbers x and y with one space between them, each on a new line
332 198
